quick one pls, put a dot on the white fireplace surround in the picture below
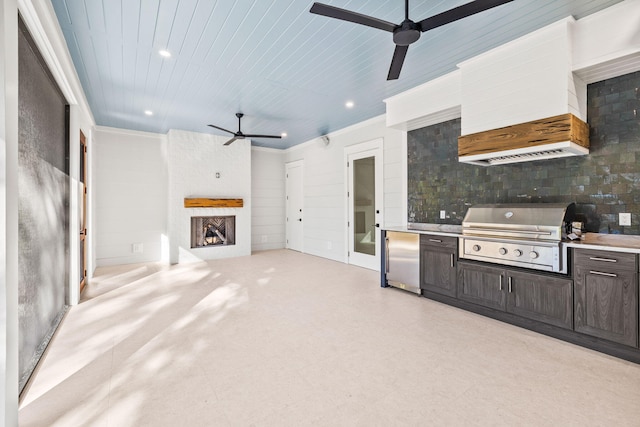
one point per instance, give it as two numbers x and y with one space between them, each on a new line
199 164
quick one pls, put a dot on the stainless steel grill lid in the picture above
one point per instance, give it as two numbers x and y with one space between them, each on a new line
540 221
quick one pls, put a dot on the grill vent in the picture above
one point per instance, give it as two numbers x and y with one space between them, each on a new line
526 157
548 151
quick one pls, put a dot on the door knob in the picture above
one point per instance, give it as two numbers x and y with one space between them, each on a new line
378 225
300 219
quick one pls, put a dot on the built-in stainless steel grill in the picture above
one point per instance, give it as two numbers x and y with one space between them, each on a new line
526 235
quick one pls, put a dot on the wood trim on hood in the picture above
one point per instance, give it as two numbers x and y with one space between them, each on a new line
565 127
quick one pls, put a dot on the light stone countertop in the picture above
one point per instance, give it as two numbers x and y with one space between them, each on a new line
597 241
607 242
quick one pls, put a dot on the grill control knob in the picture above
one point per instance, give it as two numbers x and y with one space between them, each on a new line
503 251
476 248
517 252
533 254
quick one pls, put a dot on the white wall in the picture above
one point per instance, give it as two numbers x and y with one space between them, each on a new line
268 199
131 175
194 160
409 111
130 190
607 44
325 196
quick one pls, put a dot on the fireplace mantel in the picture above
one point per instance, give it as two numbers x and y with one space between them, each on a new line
203 202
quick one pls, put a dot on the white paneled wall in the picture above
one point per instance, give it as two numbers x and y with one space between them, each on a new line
607 43
433 102
130 195
141 180
325 219
395 179
268 199
201 166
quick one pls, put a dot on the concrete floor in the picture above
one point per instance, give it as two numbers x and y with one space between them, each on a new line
285 339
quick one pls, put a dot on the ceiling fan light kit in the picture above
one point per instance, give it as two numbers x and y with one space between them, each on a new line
408 31
239 134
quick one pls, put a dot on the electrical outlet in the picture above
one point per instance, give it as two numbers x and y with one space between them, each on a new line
624 219
137 248
329 245
443 214
264 239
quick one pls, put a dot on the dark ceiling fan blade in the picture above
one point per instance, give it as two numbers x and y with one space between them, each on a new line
263 136
231 140
397 61
222 129
240 135
459 13
347 15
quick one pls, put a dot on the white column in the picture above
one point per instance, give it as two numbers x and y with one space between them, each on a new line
8 213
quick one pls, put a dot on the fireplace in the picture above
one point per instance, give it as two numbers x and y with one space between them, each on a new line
207 231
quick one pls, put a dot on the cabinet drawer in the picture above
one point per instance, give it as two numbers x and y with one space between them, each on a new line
439 241
604 260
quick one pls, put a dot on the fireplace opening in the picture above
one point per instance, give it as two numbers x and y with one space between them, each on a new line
213 231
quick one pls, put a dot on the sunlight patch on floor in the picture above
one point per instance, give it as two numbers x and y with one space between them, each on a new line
263 281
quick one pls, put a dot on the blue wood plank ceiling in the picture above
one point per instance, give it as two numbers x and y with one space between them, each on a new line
285 68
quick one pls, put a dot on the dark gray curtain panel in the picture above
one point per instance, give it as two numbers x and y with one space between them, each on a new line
43 187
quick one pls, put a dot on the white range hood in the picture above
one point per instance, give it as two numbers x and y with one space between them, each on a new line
522 102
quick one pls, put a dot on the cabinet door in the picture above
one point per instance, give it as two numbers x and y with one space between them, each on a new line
606 304
546 299
483 285
438 271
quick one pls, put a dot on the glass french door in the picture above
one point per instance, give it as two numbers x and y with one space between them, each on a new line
365 204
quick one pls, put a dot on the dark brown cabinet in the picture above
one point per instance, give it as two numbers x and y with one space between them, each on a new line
539 297
546 299
438 258
606 295
596 306
482 285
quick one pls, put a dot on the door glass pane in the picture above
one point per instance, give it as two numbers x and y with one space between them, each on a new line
364 205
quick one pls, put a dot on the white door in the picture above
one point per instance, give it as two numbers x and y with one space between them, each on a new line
364 200
294 205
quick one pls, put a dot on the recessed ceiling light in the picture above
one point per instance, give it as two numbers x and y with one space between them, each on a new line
164 53
148 112
349 104
283 134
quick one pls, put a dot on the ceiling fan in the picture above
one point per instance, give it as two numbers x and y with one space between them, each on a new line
408 31
239 134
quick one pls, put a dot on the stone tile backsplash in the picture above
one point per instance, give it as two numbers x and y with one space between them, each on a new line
603 183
